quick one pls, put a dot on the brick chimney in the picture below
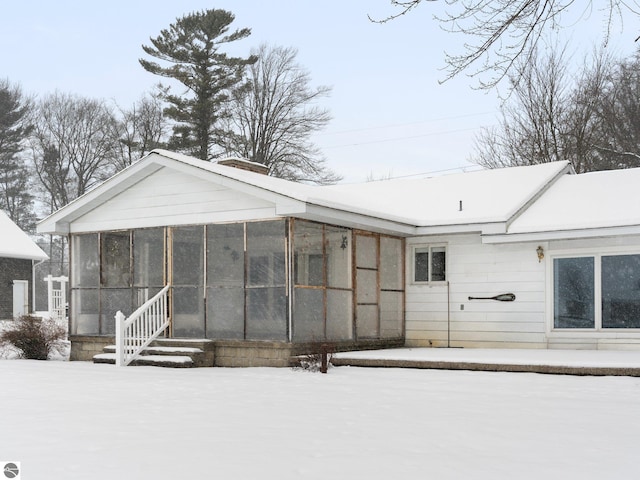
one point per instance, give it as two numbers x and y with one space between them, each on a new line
243 164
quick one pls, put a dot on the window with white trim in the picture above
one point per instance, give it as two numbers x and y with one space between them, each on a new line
596 292
429 264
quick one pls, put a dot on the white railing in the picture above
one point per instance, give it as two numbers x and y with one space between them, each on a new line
57 298
142 327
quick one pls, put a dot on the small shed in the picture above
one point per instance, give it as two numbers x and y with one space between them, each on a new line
18 254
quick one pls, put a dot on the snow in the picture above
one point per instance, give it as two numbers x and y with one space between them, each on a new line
14 243
589 200
486 195
563 358
77 420
419 202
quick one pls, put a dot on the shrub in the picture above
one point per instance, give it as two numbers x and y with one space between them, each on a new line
33 337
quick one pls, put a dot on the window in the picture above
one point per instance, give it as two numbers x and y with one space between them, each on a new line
596 292
430 264
573 292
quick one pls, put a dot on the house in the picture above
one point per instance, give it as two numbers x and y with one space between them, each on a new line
265 268
18 254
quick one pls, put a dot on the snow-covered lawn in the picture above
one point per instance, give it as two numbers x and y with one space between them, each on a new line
75 420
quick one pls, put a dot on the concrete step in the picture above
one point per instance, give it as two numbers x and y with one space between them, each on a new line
167 353
171 361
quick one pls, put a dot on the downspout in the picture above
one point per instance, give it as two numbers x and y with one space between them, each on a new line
33 283
448 315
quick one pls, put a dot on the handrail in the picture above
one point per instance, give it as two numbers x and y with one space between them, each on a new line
142 327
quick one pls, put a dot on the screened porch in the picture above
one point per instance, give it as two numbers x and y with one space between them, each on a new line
285 280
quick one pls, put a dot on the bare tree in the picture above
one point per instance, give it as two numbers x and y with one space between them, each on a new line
591 120
619 114
141 128
531 128
503 31
73 145
275 115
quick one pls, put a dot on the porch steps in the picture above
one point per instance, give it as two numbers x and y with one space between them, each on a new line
178 356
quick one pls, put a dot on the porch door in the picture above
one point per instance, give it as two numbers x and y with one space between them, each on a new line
367 301
20 298
187 279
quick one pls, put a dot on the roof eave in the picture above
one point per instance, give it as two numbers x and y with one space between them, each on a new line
574 234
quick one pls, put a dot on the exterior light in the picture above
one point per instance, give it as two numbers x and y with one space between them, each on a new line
540 252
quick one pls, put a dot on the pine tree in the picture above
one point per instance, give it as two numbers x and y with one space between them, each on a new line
191 47
15 196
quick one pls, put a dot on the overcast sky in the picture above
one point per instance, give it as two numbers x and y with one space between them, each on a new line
391 116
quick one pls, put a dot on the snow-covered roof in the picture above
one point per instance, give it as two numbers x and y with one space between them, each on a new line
588 204
475 201
14 243
486 196
479 197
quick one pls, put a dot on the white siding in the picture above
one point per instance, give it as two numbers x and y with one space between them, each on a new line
441 315
168 197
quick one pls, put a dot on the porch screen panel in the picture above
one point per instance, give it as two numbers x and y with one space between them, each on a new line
85 283
391 277
621 291
112 300
573 292
338 251
308 254
391 314
85 305
188 282
148 257
391 287
339 315
308 312
188 312
116 259
367 313
85 261
225 281
266 281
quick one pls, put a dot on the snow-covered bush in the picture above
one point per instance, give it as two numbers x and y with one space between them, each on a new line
33 337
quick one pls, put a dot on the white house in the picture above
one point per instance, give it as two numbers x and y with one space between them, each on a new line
18 253
255 262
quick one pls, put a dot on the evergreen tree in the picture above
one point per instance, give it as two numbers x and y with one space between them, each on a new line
191 47
15 196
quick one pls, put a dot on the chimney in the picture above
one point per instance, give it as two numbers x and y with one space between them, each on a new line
243 164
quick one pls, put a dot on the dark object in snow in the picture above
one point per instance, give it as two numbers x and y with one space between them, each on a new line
503 297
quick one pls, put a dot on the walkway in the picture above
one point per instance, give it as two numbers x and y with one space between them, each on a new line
571 362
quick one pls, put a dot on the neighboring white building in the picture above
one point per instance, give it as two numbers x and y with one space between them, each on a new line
18 253
255 258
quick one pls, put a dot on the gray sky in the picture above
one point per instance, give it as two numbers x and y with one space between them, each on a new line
390 114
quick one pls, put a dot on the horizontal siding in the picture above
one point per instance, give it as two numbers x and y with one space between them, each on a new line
437 315
168 197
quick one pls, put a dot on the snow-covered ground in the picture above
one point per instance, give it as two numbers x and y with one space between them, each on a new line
75 420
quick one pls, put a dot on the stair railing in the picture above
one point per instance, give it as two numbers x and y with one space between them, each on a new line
142 327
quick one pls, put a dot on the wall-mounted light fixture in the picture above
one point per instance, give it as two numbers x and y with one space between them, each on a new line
540 252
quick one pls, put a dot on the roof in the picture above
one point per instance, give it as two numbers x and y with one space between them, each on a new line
476 201
14 243
588 204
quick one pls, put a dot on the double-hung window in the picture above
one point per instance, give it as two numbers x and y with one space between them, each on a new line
596 292
429 264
